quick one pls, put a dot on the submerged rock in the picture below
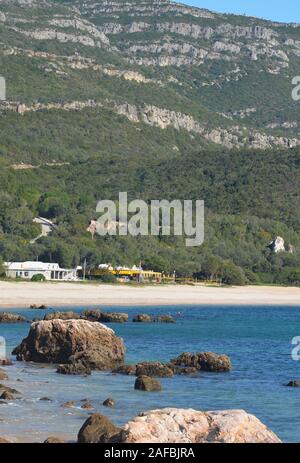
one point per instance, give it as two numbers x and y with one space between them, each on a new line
146 383
165 319
173 425
98 430
205 361
87 405
70 404
109 403
72 341
11 318
295 383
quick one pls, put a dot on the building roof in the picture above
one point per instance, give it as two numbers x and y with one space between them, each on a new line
33 266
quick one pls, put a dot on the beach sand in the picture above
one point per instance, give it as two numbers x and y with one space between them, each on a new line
23 294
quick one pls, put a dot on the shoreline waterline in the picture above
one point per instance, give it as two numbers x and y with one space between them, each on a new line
23 294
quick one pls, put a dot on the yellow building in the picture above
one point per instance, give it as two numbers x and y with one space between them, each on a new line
133 274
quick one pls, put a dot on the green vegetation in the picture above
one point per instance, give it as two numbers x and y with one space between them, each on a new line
38 277
251 195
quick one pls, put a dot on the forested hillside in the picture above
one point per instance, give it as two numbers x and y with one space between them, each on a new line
163 101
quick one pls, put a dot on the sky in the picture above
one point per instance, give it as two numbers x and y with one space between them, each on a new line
276 10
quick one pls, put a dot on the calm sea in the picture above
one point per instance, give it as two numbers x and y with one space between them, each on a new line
258 340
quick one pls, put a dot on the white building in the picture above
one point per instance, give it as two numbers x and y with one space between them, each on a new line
27 270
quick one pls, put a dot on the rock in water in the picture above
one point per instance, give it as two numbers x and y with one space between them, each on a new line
154 369
4 441
72 341
173 425
113 317
104 317
54 440
295 383
3 375
142 318
69 404
91 315
145 383
87 406
62 316
75 369
11 318
129 370
5 362
205 361
109 403
98 430
165 319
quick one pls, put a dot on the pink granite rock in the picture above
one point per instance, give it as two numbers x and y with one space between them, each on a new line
173 425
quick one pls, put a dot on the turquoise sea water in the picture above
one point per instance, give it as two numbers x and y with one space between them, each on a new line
258 340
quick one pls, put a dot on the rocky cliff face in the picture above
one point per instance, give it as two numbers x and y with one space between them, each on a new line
158 63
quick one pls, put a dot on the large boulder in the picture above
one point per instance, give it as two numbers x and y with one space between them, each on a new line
205 361
98 429
71 341
146 383
171 425
11 318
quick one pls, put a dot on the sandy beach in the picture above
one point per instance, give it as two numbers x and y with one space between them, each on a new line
23 294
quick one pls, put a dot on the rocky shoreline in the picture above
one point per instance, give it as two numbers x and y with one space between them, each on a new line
78 344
